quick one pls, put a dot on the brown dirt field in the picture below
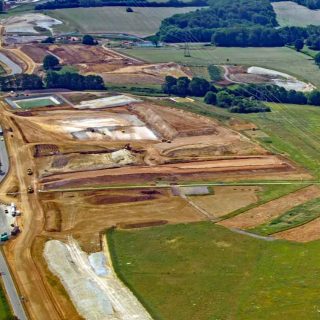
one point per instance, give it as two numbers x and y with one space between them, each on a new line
52 216
131 78
150 73
35 52
85 219
239 74
145 173
226 200
272 209
305 233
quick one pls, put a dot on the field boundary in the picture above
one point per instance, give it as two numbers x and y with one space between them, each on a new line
257 204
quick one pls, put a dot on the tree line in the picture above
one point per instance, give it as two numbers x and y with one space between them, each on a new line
199 87
72 81
60 4
244 98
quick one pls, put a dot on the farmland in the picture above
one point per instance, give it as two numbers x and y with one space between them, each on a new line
294 131
143 21
261 280
281 59
292 14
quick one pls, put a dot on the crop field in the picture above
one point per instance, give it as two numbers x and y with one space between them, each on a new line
280 59
292 14
143 21
261 279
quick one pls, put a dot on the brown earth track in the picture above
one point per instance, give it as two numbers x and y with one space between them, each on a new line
272 209
253 164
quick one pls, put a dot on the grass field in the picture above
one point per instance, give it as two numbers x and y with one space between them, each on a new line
5 311
143 21
292 14
35 103
203 271
281 59
295 217
294 130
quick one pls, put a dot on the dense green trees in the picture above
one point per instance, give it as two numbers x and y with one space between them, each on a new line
73 81
59 4
50 62
237 23
53 79
20 82
183 86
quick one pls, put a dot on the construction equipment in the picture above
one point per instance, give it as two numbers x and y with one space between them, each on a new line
30 189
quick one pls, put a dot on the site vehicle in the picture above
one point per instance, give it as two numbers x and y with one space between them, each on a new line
30 189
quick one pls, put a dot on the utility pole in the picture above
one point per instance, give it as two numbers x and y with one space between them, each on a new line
187 50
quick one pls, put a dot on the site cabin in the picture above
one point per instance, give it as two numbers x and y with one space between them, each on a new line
4 237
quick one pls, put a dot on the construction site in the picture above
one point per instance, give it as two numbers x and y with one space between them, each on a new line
79 167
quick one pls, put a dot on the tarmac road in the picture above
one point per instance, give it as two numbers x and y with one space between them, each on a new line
11 289
4 159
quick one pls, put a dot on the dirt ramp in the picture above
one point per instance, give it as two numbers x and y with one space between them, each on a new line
155 121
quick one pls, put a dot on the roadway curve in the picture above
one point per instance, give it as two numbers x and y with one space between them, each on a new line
8 282
40 303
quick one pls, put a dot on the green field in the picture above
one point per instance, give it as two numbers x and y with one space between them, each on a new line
292 14
35 103
294 131
297 216
281 59
203 271
143 21
5 311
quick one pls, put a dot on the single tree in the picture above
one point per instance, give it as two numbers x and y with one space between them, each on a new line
210 98
49 40
317 59
299 44
50 62
129 9
88 40
314 98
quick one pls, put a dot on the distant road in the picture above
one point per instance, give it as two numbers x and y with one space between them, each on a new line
4 158
4 269
11 290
